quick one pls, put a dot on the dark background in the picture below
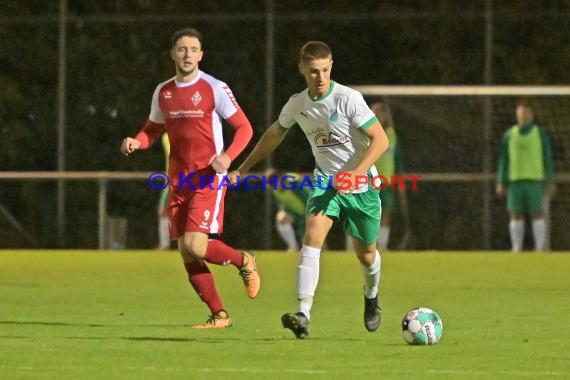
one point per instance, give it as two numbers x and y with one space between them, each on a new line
117 52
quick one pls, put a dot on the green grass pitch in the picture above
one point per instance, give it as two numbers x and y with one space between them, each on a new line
126 315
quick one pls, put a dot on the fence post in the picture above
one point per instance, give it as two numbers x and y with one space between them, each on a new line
102 212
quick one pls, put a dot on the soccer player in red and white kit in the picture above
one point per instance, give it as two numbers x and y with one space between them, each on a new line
188 108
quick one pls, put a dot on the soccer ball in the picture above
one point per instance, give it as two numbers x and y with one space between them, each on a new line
422 326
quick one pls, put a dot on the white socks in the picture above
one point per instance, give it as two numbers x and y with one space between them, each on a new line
383 237
539 234
163 233
516 229
307 278
287 233
372 277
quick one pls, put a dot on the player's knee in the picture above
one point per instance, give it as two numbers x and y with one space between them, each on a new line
366 253
367 259
313 240
193 248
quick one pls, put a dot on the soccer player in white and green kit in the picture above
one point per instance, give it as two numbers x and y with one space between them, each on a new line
345 137
526 167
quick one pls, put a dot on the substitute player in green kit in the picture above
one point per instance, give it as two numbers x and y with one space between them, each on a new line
526 167
346 138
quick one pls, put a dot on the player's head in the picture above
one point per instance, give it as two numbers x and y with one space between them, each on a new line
524 113
315 64
382 110
186 50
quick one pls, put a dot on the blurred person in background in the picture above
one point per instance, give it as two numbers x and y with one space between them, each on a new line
291 202
526 175
388 165
163 228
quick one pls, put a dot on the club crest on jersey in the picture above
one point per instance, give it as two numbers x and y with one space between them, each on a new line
334 116
196 98
323 140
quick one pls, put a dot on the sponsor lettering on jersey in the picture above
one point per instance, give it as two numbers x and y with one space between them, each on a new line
178 114
323 140
316 131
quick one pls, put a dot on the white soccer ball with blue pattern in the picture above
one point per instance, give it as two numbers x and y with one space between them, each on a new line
422 326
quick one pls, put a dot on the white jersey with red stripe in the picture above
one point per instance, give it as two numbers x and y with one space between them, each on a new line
191 113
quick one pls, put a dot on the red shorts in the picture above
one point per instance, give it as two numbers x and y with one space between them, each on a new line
197 210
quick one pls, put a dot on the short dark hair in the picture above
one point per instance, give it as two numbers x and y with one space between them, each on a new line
314 50
186 32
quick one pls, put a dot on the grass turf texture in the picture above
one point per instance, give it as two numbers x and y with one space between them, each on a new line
125 315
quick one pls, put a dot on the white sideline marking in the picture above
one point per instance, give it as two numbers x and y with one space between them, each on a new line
259 370
318 371
376 370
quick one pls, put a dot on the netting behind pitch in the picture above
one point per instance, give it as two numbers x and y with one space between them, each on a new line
452 135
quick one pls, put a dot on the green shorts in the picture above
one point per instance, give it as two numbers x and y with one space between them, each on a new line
358 213
525 196
388 199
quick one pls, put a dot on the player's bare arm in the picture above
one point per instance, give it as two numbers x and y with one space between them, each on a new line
378 145
270 140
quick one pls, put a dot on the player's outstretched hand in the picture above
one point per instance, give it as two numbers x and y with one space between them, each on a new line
129 145
220 163
233 176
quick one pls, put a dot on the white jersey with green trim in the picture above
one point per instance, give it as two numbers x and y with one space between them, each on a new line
333 125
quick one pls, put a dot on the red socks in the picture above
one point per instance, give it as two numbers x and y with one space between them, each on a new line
221 254
201 278
203 283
